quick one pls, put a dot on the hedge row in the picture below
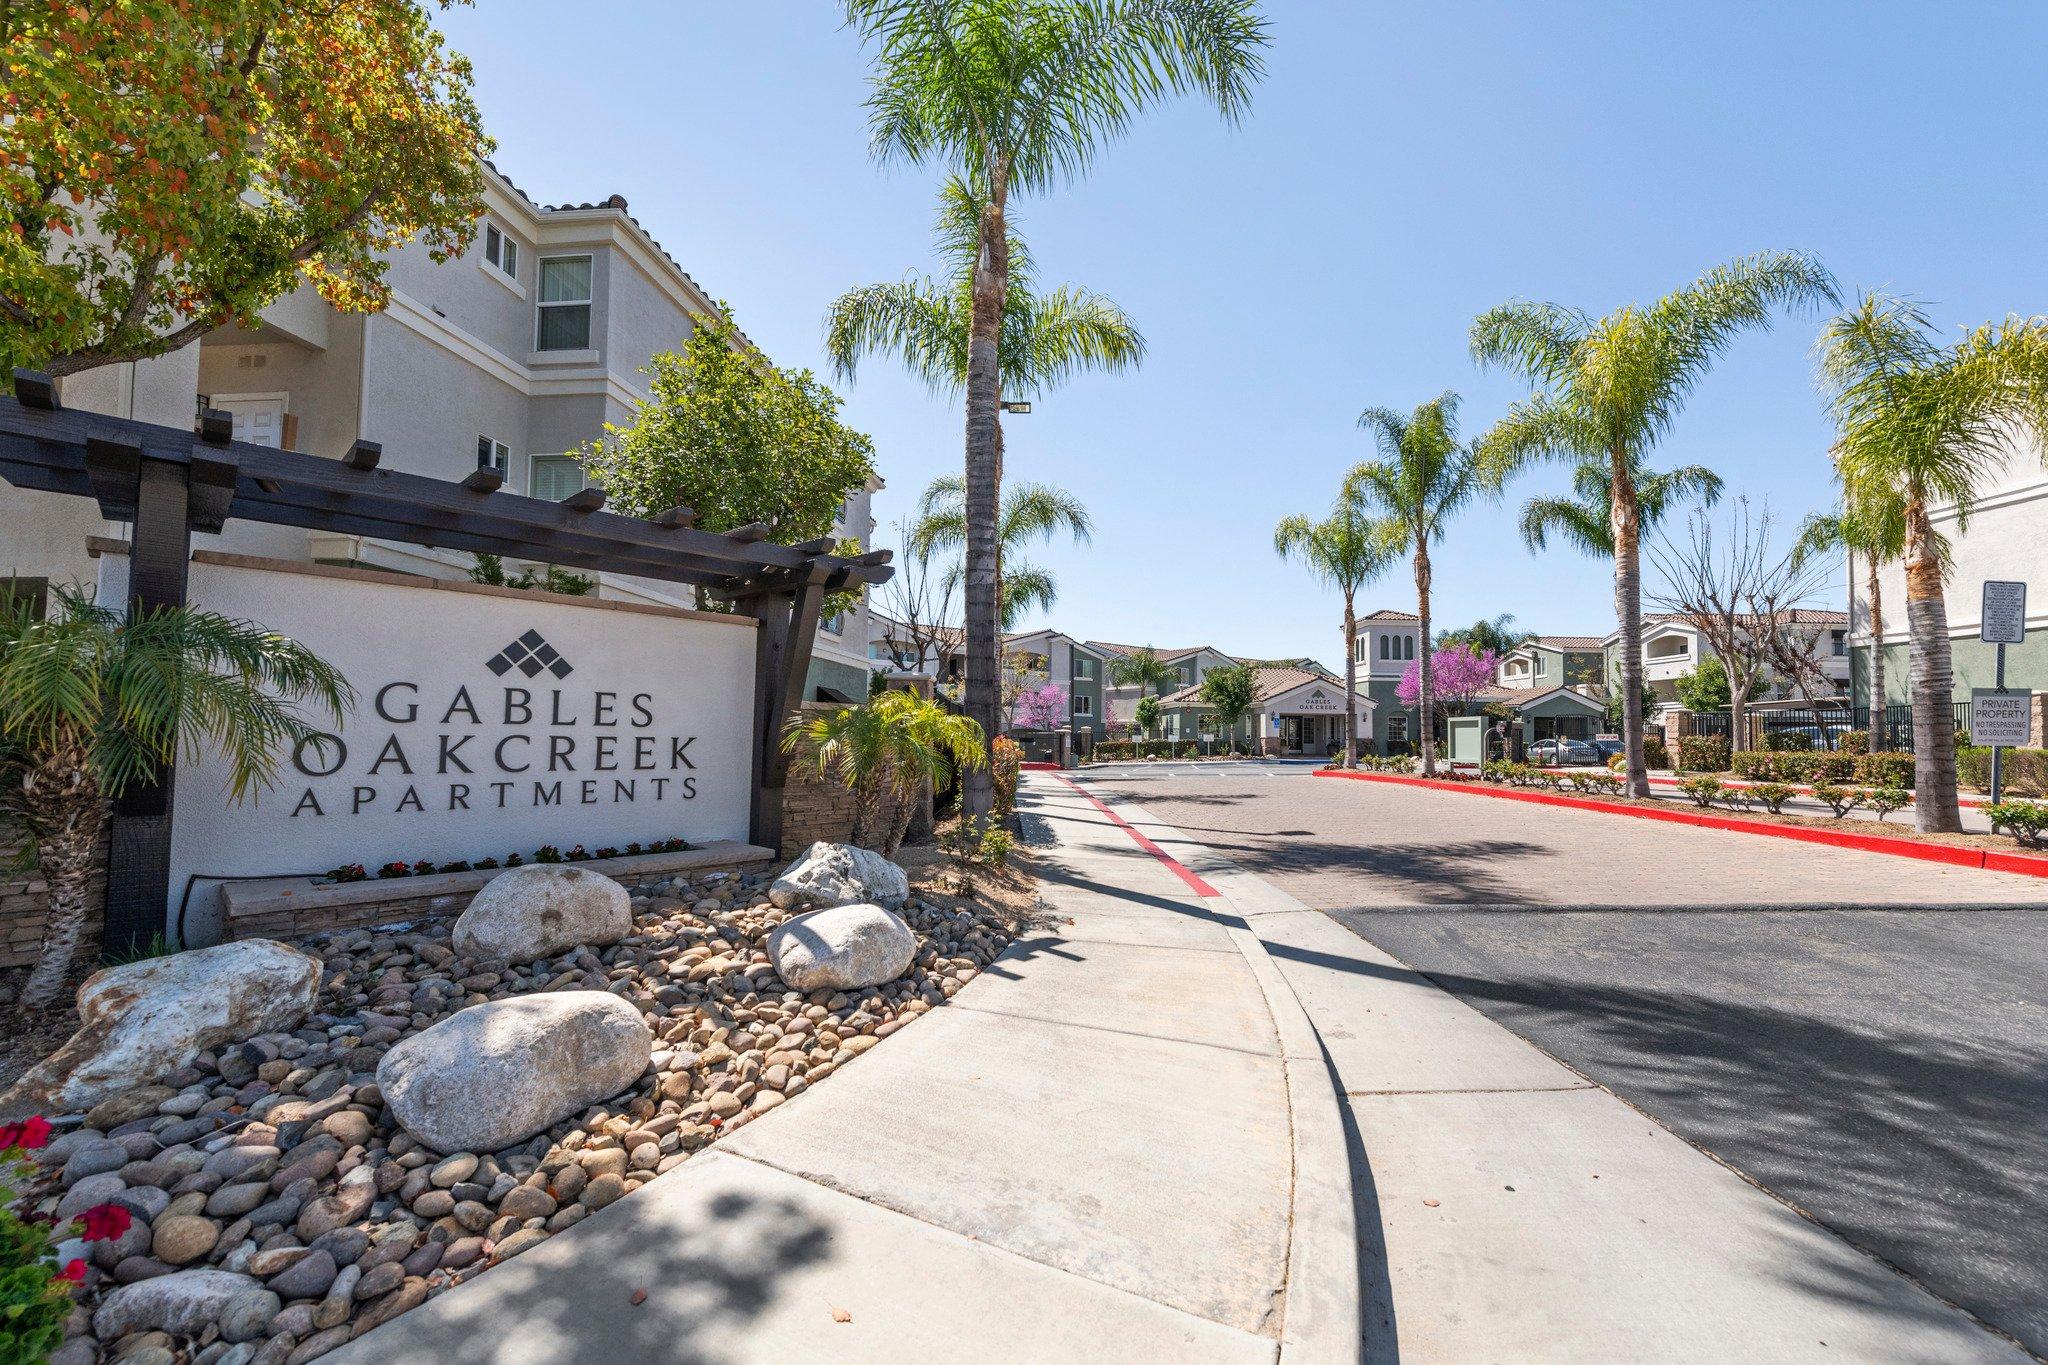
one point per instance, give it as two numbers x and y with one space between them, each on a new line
2026 770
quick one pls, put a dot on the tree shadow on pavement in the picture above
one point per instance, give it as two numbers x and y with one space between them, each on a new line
1929 1152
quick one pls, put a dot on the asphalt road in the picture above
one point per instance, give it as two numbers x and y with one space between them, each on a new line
1885 1070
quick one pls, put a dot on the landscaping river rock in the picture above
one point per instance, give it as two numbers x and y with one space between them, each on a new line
538 911
499 1072
142 1019
842 949
282 1204
839 874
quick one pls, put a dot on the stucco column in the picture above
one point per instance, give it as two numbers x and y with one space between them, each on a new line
2038 708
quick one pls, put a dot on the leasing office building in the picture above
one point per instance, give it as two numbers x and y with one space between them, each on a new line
507 357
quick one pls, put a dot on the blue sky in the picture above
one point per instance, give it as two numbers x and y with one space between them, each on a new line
1403 167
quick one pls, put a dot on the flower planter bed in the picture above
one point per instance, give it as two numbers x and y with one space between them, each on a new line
1967 854
294 907
278 1158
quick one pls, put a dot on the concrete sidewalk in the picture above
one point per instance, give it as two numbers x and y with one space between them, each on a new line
1512 1210
1120 1142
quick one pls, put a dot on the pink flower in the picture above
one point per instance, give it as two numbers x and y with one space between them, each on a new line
104 1222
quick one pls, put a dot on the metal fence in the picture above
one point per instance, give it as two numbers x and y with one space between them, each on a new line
1823 726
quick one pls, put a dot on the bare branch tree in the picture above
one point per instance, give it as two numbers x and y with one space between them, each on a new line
1741 593
920 599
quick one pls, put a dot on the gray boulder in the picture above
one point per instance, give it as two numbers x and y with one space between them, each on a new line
143 1019
843 948
497 1073
539 911
185 1304
840 874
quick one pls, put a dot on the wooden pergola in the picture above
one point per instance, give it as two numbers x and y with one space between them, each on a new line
168 483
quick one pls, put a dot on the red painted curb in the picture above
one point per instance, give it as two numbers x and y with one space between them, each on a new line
1868 843
1173 864
1036 766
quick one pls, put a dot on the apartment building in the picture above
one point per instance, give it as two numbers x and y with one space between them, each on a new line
1190 664
1673 647
508 357
1543 662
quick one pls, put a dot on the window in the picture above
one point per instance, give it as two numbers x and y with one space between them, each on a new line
1838 642
1397 729
1359 652
834 624
34 593
493 455
1084 706
1539 666
564 304
553 477
501 251
1386 646
1407 646
1084 668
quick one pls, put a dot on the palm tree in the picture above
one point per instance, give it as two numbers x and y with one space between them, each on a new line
1585 519
1609 388
1423 476
886 749
92 704
1017 96
1877 532
1497 635
1920 423
1346 551
1031 512
1144 669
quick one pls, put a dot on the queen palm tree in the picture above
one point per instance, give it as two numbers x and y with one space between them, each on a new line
1423 476
1609 388
1585 519
886 750
1146 671
1920 423
92 704
1032 512
1346 551
1017 96
1876 530
1496 635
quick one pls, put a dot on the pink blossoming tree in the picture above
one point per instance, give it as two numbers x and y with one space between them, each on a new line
1040 708
1457 675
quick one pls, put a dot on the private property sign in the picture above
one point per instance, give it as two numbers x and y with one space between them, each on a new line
486 722
2001 718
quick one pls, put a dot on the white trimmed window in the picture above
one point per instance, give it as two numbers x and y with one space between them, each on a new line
1084 706
564 306
492 454
501 251
553 477
1397 729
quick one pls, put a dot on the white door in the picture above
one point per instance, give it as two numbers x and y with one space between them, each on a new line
259 419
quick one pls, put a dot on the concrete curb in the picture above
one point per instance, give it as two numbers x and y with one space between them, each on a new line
1324 1314
1987 859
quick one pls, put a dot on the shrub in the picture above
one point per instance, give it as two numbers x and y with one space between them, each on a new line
484 864
1841 800
1853 742
1004 756
546 853
2026 770
2026 821
1885 770
1835 767
1735 798
1598 784
994 848
35 1295
348 872
1701 791
1773 795
459 865
514 860
1655 754
1703 754
1788 741
390 870
1885 800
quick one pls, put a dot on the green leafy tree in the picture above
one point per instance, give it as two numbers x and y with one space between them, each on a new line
1231 691
171 166
92 704
1346 551
1497 636
1705 687
1920 423
1148 714
1646 703
886 750
1873 530
1018 97
1609 388
1032 513
1423 477
489 570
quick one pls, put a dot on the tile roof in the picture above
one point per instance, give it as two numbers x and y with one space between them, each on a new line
1389 614
1165 654
1267 683
1569 641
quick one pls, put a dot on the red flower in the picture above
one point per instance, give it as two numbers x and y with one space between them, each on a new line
73 1271
104 1222
28 1135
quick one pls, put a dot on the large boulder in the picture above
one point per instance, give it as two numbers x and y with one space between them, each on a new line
840 874
497 1073
541 910
142 1019
186 1304
843 948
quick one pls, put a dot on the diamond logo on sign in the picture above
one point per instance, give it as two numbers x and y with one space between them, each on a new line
529 654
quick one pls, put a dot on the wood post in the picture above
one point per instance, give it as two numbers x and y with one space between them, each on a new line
782 659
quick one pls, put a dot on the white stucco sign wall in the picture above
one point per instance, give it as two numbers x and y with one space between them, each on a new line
483 725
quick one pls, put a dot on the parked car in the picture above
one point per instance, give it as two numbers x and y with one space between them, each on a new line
1608 747
1565 753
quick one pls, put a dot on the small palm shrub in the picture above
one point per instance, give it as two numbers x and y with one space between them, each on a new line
1702 791
884 749
1703 754
94 703
2026 821
1885 800
1840 800
1772 796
